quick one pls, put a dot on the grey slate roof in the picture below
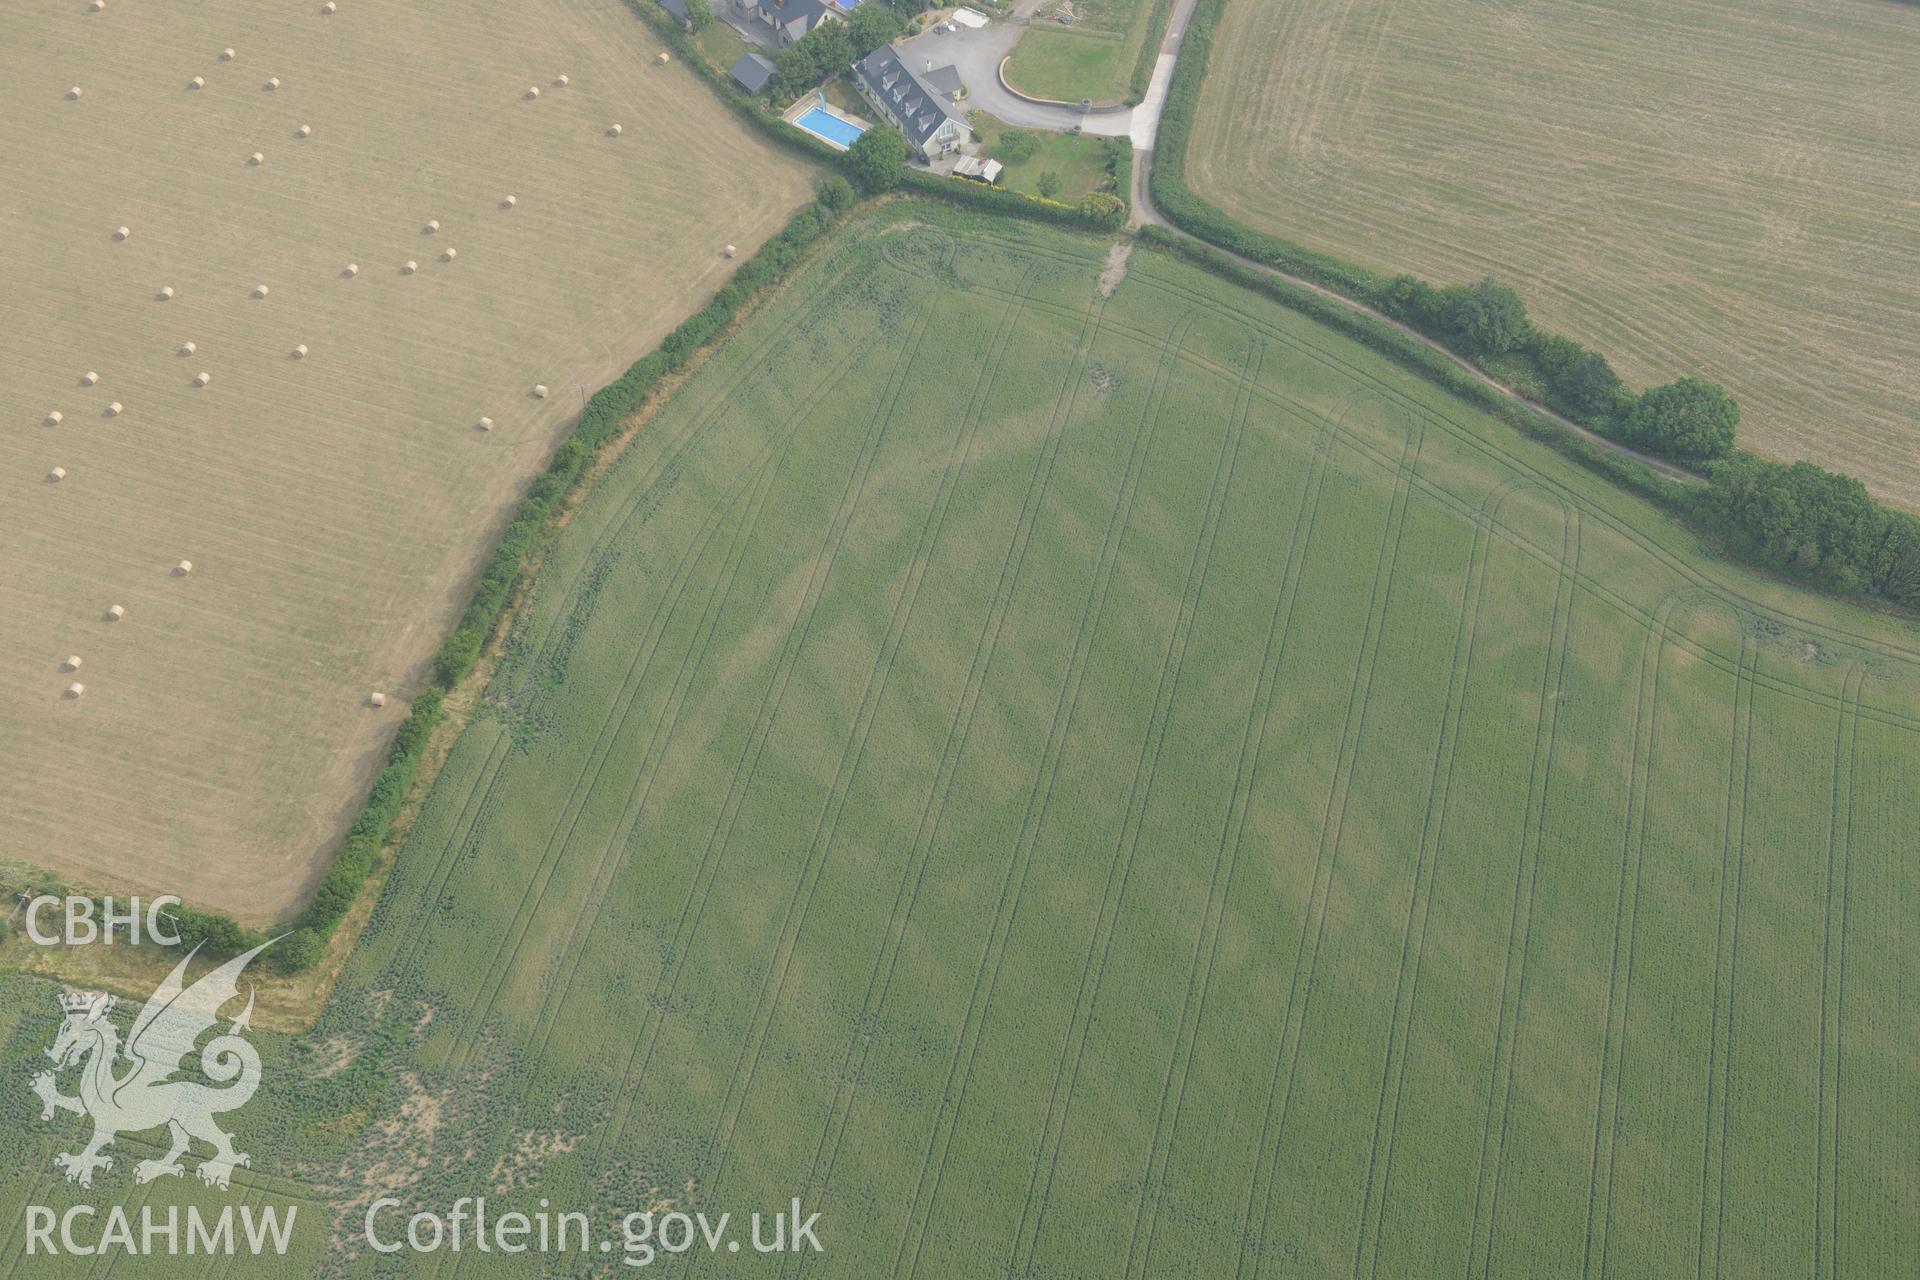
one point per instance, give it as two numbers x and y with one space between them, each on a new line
753 72
786 12
921 107
945 81
678 8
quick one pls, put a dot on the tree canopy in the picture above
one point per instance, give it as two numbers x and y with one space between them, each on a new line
1692 420
874 161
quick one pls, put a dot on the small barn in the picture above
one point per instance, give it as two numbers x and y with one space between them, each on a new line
752 73
977 169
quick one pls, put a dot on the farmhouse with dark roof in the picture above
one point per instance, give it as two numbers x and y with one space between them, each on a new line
910 102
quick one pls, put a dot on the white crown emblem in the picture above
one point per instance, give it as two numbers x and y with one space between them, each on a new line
91 1003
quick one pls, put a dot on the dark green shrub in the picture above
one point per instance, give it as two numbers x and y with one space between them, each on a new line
837 195
874 162
1692 420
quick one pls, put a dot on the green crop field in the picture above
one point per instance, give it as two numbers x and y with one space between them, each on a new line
1712 187
1071 785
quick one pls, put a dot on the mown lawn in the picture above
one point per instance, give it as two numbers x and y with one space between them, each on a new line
1097 57
1079 163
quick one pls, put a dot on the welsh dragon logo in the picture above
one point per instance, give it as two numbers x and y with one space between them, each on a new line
149 1093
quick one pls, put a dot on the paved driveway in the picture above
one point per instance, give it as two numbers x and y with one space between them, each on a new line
978 54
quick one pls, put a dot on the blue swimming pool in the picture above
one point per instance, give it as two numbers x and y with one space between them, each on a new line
824 124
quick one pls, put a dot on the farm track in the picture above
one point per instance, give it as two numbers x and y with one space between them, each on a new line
1553 684
1279 1094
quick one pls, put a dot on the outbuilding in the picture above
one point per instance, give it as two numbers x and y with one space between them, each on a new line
752 73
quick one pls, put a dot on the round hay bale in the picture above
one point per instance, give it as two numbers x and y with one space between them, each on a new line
664 58
353 269
56 475
53 418
114 409
166 293
614 131
187 348
73 94
75 689
509 201
121 233
449 255
72 663
410 267
376 699
559 82
433 225
300 352
485 424
540 391
198 82
89 378
327 7
182 569
226 55
97 5
273 82
533 91
304 131
256 158
202 378
728 252
259 291
115 612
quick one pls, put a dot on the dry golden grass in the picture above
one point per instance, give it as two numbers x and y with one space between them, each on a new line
1702 186
336 506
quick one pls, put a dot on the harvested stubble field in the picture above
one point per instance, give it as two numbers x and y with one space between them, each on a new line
334 506
1691 186
1133 787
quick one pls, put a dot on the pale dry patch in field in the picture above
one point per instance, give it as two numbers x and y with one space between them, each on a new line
1691 186
336 503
